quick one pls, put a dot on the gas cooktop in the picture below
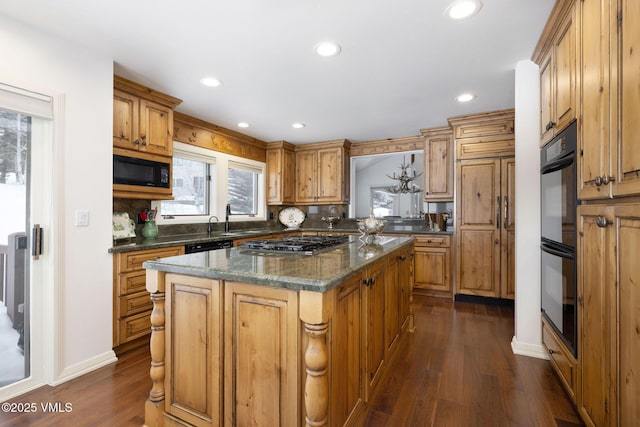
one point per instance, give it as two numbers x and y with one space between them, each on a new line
307 245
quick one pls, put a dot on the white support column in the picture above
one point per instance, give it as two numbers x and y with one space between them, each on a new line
528 335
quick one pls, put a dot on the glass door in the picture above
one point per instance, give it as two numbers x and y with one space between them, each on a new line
15 137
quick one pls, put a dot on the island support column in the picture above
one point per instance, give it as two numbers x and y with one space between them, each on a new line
154 406
314 313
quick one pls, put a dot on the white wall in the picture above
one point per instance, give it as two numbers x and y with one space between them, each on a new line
527 339
83 281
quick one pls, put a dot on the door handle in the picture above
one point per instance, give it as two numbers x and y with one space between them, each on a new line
498 212
506 212
36 241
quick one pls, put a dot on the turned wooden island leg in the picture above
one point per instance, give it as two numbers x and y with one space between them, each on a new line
154 407
316 388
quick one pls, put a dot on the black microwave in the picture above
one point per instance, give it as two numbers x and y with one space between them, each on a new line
141 172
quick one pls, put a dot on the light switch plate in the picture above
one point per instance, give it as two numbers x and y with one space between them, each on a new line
82 218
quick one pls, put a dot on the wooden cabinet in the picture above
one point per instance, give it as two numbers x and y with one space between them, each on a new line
485 228
558 71
193 382
280 173
348 388
131 303
609 314
322 173
438 164
561 358
375 324
142 118
484 135
261 358
609 165
432 265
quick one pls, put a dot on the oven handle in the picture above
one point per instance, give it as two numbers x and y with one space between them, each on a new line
553 251
556 165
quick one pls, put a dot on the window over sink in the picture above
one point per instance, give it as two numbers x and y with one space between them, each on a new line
204 181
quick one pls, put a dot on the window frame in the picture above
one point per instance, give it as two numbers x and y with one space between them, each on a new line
218 186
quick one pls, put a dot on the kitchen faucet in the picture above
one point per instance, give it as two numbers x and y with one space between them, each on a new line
226 221
209 224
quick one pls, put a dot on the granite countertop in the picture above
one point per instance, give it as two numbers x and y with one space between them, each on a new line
163 241
319 272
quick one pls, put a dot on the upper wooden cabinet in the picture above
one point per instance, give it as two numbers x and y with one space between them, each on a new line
438 164
484 135
322 173
280 173
558 68
142 118
610 101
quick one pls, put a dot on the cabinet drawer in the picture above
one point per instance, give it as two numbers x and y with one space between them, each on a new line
477 148
433 241
474 130
135 303
131 261
560 358
130 283
135 326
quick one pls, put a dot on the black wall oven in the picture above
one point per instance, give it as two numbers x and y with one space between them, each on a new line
558 203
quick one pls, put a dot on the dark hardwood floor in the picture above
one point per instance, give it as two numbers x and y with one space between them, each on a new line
456 370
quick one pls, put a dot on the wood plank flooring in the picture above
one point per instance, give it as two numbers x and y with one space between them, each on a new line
456 370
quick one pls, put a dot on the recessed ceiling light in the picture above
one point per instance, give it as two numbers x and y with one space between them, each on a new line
465 97
327 49
243 125
211 81
298 125
463 9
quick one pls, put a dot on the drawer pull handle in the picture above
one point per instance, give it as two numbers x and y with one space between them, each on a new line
602 221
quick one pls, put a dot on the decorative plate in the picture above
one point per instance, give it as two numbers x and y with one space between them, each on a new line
291 217
123 226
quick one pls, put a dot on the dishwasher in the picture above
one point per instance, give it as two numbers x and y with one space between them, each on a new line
192 248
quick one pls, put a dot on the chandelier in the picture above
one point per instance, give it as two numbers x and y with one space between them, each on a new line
405 180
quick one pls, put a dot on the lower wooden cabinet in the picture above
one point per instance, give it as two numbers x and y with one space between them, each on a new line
243 354
432 265
131 302
562 359
609 314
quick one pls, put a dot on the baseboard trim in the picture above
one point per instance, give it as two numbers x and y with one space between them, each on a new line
85 367
530 350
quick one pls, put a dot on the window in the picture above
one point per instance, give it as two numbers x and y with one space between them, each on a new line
204 181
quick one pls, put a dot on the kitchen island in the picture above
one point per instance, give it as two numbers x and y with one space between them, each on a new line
246 338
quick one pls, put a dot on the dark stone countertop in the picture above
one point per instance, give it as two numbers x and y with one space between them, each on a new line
319 272
163 241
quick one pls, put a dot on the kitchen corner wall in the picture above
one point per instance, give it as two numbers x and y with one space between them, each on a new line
77 329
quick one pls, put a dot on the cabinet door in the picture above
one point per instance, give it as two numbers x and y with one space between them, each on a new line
193 390
627 228
280 173
156 128
432 266
375 292
508 233
329 179
393 289
626 157
546 96
438 168
565 66
594 130
125 120
596 287
478 219
260 381
305 176
347 385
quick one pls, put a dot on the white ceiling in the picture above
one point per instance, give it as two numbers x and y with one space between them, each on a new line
402 61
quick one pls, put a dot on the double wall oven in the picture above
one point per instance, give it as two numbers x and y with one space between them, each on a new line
558 234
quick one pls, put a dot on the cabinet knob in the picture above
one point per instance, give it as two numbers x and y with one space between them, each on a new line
597 181
607 179
402 257
144 140
551 351
602 221
136 142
